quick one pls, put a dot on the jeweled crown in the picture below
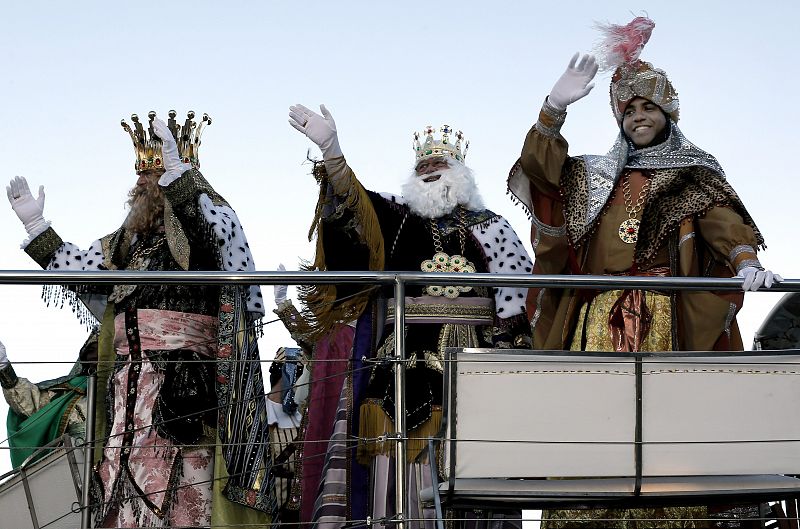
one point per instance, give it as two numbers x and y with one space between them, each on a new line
148 146
433 148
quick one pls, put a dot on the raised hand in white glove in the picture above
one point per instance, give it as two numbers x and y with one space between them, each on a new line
173 166
575 82
755 278
319 129
3 356
301 387
280 290
28 209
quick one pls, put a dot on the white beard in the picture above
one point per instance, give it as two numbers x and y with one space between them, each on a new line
456 186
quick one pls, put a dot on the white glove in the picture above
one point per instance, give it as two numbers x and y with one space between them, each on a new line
302 387
173 165
575 82
755 278
280 290
28 209
3 356
319 129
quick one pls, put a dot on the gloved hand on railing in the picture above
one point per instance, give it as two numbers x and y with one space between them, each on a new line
755 278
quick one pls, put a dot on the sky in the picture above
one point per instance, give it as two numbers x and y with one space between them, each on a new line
70 71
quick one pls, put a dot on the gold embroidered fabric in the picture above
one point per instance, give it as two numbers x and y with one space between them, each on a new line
598 338
42 248
186 188
176 238
471 311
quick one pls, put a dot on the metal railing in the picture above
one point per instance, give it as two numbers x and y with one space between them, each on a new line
398 280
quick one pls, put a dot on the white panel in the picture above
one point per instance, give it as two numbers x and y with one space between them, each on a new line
719 401
53 492
544 399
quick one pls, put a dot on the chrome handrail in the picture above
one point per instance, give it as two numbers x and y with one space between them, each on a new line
398 280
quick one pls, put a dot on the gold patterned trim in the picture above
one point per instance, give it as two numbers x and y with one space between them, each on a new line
479 313
176 238
189 186
42 248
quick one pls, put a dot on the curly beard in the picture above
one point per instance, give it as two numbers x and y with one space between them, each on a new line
147 207
456 186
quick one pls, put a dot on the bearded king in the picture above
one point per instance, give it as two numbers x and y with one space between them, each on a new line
439 224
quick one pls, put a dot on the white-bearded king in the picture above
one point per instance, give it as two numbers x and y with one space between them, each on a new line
438 225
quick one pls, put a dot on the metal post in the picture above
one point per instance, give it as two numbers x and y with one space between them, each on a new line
637 448
401 496
88 451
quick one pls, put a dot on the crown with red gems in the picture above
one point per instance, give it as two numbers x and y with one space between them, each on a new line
148 146
433 148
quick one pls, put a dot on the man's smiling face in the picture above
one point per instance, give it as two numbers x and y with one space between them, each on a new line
430 170
643 121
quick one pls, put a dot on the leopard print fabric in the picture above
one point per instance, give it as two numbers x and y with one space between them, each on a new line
675 194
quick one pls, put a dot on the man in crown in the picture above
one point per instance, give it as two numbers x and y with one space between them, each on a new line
186 440
655 205
438 224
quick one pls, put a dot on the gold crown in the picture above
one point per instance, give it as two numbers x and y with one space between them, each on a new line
148 146
433 148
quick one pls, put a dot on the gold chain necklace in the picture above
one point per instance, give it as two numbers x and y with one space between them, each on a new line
629 228
442 262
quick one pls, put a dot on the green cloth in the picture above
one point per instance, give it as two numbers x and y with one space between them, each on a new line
27 434
225 513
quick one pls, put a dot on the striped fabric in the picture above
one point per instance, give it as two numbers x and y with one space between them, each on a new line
331 508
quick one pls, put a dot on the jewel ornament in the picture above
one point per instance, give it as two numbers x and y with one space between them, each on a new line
441 262
430 147
629 229
148 145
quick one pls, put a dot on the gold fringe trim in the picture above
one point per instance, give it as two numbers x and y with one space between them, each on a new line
322 311
374 422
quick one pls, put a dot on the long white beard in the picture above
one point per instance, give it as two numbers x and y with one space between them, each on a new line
456 186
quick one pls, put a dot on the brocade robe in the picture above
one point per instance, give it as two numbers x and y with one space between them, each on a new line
186 362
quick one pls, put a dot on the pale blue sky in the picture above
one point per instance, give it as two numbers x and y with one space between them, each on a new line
70 71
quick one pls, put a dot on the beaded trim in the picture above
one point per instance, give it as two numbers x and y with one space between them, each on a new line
545 229
739 250
748 263
538 312
550 120
685 238
729 319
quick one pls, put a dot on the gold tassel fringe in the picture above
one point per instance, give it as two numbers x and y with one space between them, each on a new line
374 422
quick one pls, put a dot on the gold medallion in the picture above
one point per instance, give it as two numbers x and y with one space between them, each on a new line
442 262
629 231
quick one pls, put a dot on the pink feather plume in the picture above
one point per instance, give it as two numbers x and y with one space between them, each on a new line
622 44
